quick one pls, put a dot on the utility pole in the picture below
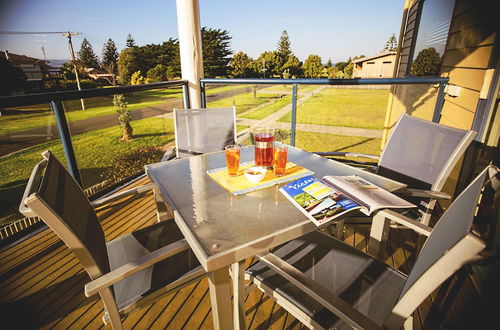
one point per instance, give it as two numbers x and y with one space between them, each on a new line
72 53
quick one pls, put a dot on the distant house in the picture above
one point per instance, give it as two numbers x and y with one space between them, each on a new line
36 70
377 66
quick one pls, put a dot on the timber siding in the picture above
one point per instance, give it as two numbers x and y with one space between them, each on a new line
468 54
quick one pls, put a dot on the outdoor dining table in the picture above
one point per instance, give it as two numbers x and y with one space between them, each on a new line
223 229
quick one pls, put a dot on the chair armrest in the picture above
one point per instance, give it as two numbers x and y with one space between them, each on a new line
425 194
405 221
310 287
347 154
132 191
135 266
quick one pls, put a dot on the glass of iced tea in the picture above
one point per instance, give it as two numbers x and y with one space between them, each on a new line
279 161
232 159
264 146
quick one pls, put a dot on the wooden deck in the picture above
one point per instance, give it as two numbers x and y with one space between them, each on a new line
42 284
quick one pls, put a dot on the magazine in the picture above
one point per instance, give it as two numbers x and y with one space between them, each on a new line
329 198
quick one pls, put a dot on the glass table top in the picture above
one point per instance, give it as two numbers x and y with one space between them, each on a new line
223 228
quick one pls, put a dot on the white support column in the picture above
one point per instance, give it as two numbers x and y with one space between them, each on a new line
188 25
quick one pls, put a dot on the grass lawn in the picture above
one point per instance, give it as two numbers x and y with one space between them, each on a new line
269 109
243 102
362 108
23 118
329 142
288 88
94 152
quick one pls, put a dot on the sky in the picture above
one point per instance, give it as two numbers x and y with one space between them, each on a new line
332 29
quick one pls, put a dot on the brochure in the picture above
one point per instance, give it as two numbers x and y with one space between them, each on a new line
329 198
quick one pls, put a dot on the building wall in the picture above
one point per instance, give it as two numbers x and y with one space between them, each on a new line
468 60
381 67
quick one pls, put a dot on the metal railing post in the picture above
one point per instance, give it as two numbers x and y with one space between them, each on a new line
439 103
185 96
203 95
62 126
294 115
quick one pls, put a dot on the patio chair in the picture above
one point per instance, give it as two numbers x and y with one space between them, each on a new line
128 272
421 154
197 131
200 131
325 283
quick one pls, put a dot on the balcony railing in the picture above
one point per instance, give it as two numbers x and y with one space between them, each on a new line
55 99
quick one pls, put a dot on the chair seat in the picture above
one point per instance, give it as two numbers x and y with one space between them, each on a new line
370 285
139 243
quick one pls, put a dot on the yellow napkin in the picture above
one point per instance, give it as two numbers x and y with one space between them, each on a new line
240 185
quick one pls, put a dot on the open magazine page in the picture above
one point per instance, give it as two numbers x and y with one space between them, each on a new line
317 200
366 193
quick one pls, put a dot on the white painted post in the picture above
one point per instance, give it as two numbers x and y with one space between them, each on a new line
188 25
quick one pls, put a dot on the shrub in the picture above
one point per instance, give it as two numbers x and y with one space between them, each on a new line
127 164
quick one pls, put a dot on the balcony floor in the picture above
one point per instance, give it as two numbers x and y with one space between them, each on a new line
42 283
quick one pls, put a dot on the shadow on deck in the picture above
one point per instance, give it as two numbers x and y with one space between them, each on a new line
41 284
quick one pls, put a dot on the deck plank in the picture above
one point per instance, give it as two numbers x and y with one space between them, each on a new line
41 279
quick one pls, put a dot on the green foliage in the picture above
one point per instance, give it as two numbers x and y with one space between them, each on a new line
216 51
329 63
130 163
124 116
67 85
11 79
269 64
159 73
284 49
130 41
427 63
392 44
292 67
87 56
166 53
312 67
348 70
120 103
335 73
137 78
128 63
241 66
110 57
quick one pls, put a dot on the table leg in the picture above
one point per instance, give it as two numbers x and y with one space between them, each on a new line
238 270
220 298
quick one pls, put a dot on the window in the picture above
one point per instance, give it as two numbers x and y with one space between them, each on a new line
431 37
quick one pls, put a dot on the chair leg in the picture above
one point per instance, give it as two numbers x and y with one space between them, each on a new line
378 234
162 211
111 308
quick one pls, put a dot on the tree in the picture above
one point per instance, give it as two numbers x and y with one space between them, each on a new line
158 73
269 64
427 63
312 67
392 44
329 64
110 57
284 49
137 78
128 63
241 66
350 67
87 56
216 51
130 41
292 67
124 116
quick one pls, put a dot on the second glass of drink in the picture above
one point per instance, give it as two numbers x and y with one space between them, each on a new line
264 146
232 159
279 163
